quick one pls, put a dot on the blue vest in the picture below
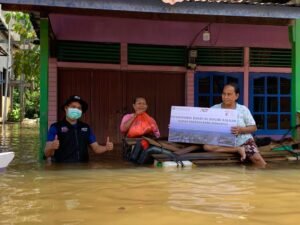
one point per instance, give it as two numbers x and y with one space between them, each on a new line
73 142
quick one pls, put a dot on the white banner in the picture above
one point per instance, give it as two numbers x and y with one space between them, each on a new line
202 125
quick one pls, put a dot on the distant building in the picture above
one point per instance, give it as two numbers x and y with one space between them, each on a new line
3 63
4 55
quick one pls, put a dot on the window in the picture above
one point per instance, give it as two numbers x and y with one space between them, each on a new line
209 87
270 102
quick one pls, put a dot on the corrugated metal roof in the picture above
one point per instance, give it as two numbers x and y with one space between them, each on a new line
249 2
2 52
282 9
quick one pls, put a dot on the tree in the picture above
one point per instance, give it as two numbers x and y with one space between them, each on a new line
26 64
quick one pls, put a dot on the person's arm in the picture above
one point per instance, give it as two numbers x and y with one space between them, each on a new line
243 130
51 147
52 143
250 125
126 122
155 129
98 149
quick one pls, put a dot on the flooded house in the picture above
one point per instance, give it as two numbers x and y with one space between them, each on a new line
109 52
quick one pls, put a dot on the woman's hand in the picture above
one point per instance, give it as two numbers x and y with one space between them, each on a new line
243 130
236 130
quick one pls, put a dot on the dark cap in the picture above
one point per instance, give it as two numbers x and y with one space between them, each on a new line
76 98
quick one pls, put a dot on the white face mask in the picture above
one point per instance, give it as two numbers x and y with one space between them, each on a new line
74 113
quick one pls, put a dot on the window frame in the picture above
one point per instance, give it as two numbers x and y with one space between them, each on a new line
198 75
265 113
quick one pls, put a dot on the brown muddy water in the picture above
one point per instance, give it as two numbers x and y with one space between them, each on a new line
117 193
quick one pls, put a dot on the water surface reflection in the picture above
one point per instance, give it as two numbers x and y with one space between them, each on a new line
118 193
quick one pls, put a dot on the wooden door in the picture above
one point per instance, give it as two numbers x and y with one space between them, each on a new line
161 90
110 95
102 91
74 82
107 103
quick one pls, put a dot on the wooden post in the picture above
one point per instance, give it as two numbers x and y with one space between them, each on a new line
294 33
44 45
22 102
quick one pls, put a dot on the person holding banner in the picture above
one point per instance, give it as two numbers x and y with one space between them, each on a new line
246 146
139 123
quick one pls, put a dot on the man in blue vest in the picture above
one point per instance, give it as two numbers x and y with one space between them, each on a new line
68 140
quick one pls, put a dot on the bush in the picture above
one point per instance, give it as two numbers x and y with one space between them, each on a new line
32 104
14 115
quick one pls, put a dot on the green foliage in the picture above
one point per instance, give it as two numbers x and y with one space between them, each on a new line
26 64
27 61
14 115
32 104
16 97
26 58
21 24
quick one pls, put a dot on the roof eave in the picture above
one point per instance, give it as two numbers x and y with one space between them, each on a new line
157 6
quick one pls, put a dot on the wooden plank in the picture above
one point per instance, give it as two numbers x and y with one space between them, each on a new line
176 148
232 161
224 156
194 156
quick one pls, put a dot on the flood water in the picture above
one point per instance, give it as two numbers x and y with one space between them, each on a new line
117 193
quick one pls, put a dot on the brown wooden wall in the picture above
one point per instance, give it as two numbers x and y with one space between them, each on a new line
110 95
